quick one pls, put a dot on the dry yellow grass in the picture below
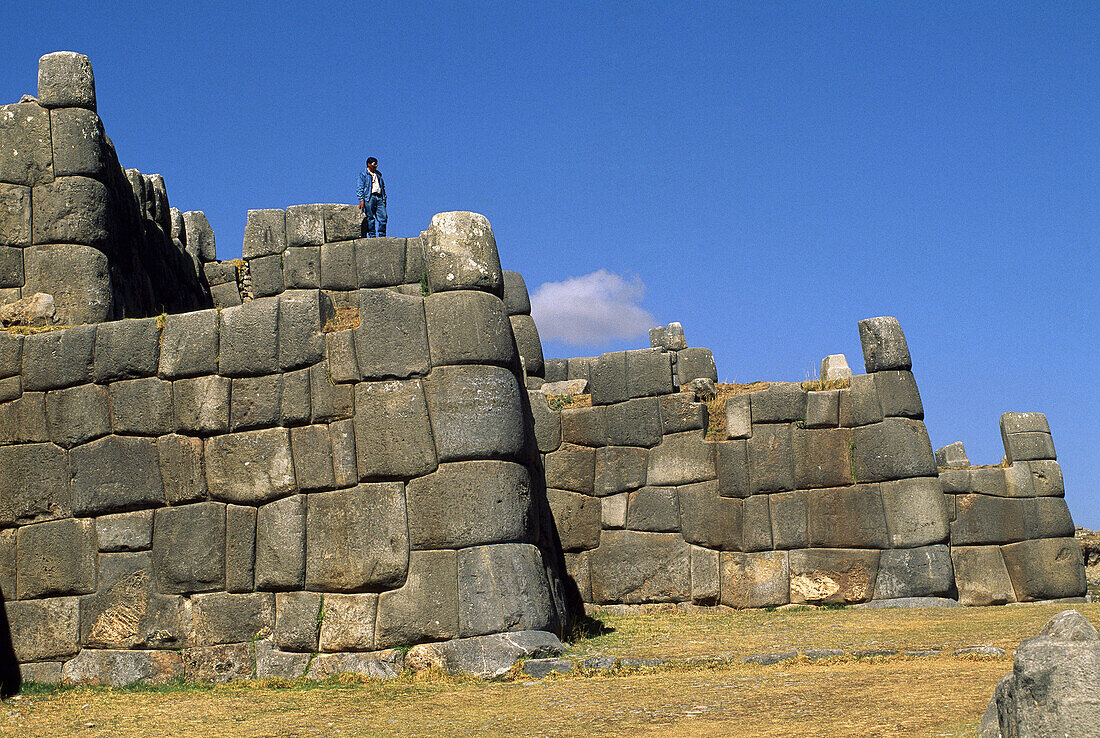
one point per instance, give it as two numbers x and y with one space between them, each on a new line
716 408
567 402
344 318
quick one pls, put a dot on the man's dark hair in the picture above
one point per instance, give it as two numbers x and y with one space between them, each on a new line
372 159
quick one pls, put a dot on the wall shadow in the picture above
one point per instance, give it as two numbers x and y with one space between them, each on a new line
11 678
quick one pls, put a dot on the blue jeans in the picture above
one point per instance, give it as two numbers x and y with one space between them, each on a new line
376 217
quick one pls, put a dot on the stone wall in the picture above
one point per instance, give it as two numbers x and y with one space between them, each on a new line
103 243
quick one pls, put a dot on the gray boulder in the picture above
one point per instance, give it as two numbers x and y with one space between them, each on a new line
25 141
489 656
461 254
65 80
884 345
668 337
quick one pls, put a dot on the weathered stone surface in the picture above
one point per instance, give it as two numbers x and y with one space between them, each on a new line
1045 569
502 588
1028 446
117 668
11 270
632 567
1024 423
142 407
126 611
896 448
565 388
681 458
249 339
218 664
542 668
622 375
264 233
131 531
655 509
393 436
580 367
255 402
489 656
65 80
755 579
738 417
705 578
280 544
66 284
546 422
476 412
470 503
680 412
240 548
556 370
914 572
859 403
832 575
80 145
847 517
181 468
126 349
302 267
200 236
708 519
584 426
1052 518
392 338
571 468
620 469
528 343
25 141
668 337
219 617
695 363
340 354
613 511
376 665
884 345
250 467
426 605
56 558
272 663
822 409
348 622
302 316
15 210
955 481
189 548
58 359
897 391
342 222
71 210
516 299
35 483
266 275
328 401
7 563
756 530
44 629
380 261
983 519
916 512
953 454
77 414
1018 481
11 354
313 457
790 528
10 389
357 539
771 459
461 254
981 576
295 404
835 367
822 458
732 465
189 344
781 402
114 474
576 519
468 327
338 264
634 423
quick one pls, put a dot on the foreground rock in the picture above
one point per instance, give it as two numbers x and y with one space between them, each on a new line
1054 686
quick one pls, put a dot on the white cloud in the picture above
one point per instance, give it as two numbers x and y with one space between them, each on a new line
591 309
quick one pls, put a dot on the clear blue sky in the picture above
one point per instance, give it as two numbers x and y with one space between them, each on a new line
767 175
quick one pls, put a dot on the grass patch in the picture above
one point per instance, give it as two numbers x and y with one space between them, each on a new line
345 317
30 330
566 402
716 408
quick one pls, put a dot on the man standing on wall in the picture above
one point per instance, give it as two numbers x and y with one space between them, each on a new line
372 199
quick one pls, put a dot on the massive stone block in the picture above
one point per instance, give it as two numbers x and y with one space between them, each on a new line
201 404
117 668
72 210
80 146
832 575
77 414
705 577
35 483
393 435
357 539
313 457
25 141
114 474
781 402
847 517
266 274
771 459
898 394
65 79
884 345
732 464
584 426
756 528
338 266
502 588
255 402
470 503
754 579
859 403
348 622
297 621
528 343
58 359
576 519
1052 518
426 606
302 267
655 509
142 407
572 468
914 572
220 617
302 316
695 362
76 276
461 254
476 412
126 611
23 420
200 236
11 354
983 519
622 375
56 558
896 448
681 458
15 211
280 544
634 423
981 576
708 519
264 233
342 222
1048 568
822 458
790 528
633 568
392 338
547 423
916 512
468 327
822 409
251 467
620 469
380 261
126 349
249 337
44 629
129 531
189 548
680 412
516 299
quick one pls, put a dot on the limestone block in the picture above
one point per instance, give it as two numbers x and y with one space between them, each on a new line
577 570
302 317
126 349
305 225
621 375
201 404
11 354
295 404
790 528
693 363
771 459
56 558
705 578
7 563
1024 423
634 423
10 389
461 254
250 467
487 657
114 474
916 512
392 338
44 629
502 588
547 423
393 437
35 483
898 394
72 210
822 458
1018 481
225 295
76 277
345 469
240 548
343 367
386 664
955 481
58 359
41 672
859 403
896 448
835 367
77 414
342 222
756 526
584 426
118 668
1044 569
249 336
884 345
915 572
528 343
681 458
357 539
25 141
220 617
280 544
80 146
130 531
708 519
847 517
580 367
189 548
126 611
65 79
613 511
468 327
755 579
302 267
822 576
200 236
1047 478
11 267
475 412
781 402
576 519
953 454
189 344
254 402
219 664
266 274
556 370
732 464
264 233
981 519
620 469
23 420
822 409
680 412
297 621
426 605
348 622
380 261
338 264
15 209
1027 445
516 299
141 407
981 576
668 337
632 568
313 457
654 509
470 503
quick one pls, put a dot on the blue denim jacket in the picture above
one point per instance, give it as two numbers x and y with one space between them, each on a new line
363 191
